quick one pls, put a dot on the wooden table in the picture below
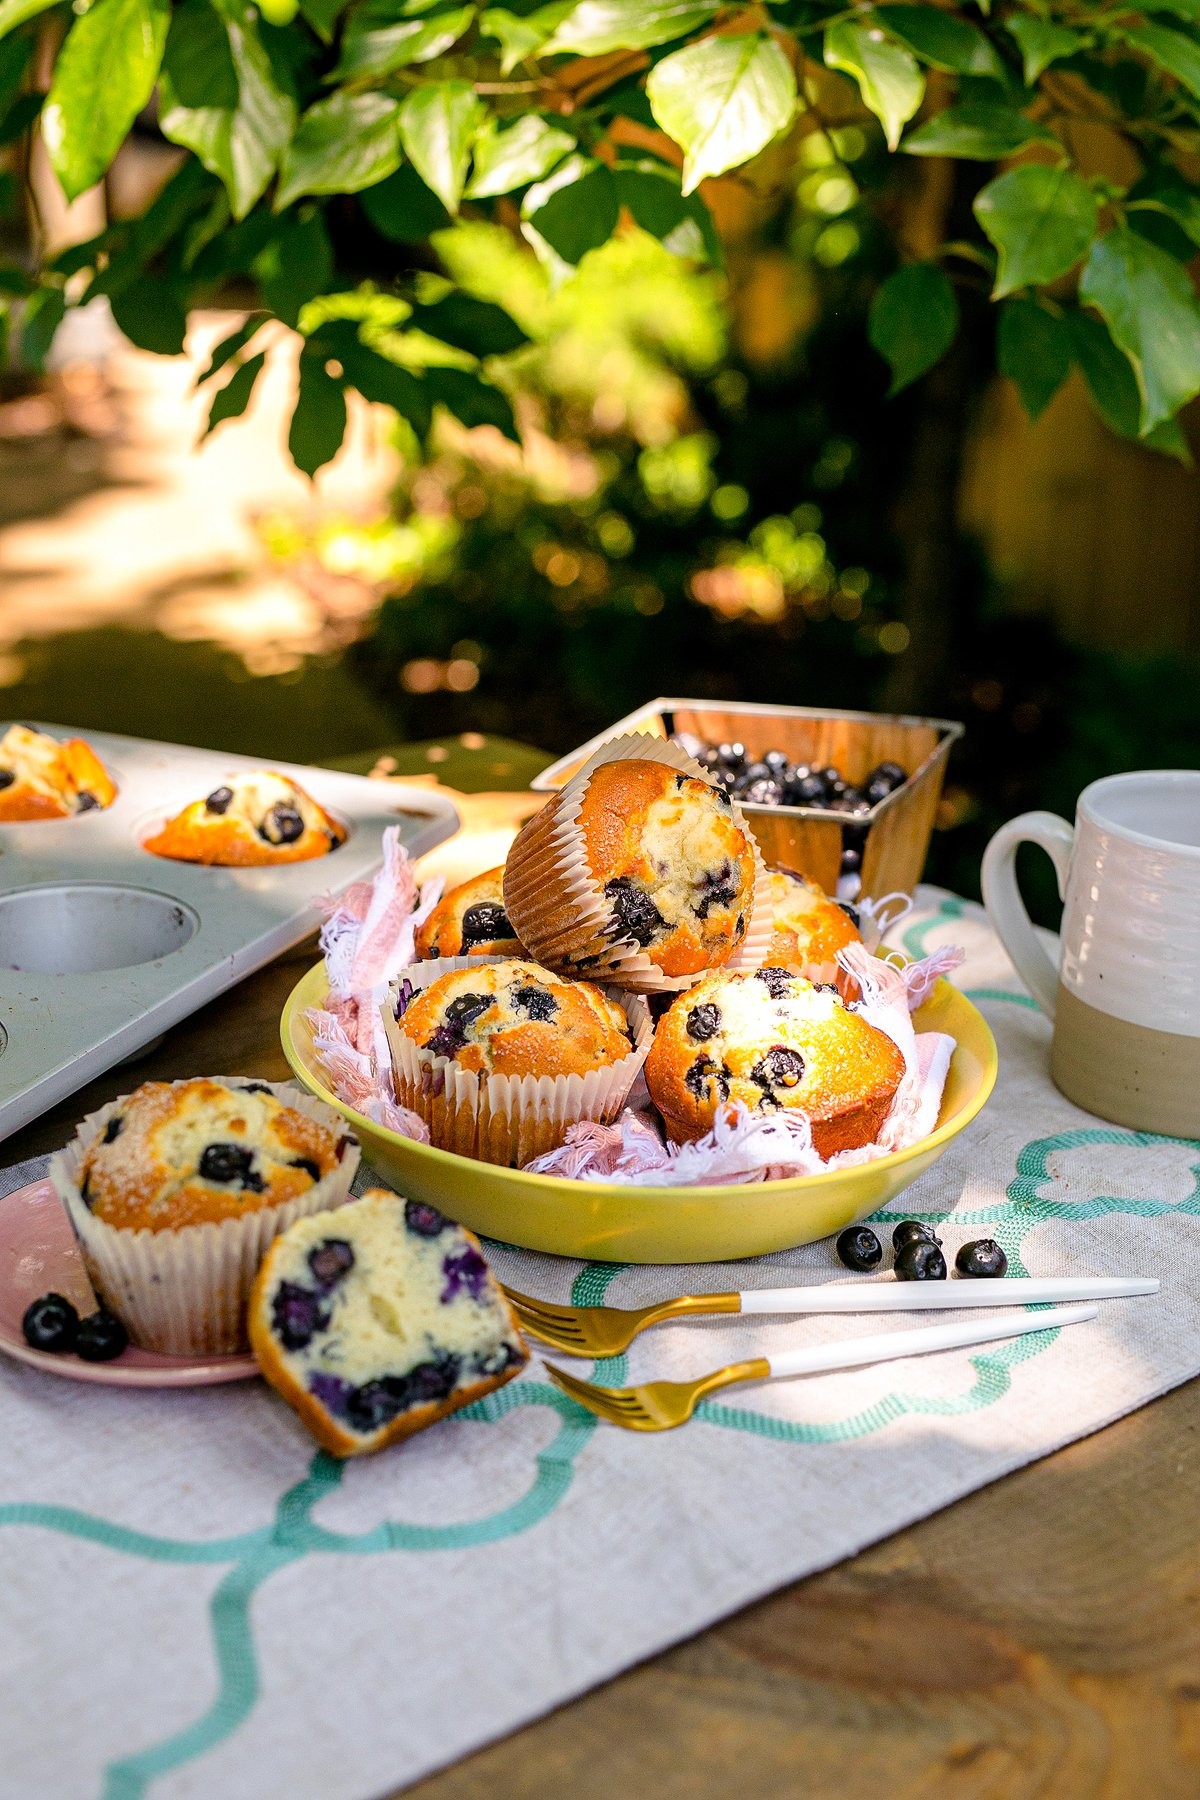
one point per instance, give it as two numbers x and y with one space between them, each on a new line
1040 1638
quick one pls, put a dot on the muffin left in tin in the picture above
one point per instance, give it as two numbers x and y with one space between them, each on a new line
41 778
251 820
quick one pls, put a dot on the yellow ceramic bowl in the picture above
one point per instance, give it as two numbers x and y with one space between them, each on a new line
601 1221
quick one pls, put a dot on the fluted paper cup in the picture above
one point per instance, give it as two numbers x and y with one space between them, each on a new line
183 1292
558 910
506 1119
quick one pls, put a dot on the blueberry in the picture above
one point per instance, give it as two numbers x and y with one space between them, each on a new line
464 1009
538 1002
113 1129
231 1164
878 788
256 1087
485 923
495 1362
755 771
779 1068
311 1168
376 1403
50 1323
911 1231
404 997
920 1260
423 1220
717 888
731 756
330 1390
465 1272
100 1337
219 801
86 801
832 778
7 777
703 1021
983 1258
859 1249
436 1380
777 762
851 913
778 982
766 791
851 863
891 772
704 1074
808 790
633 910
329 1261
297 1315
282 825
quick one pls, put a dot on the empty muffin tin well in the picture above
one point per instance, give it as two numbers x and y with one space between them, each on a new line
103 946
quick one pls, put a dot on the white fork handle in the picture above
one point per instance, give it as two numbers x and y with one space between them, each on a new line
890 1345
922 1296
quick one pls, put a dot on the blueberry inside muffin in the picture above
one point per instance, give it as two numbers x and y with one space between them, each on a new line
378 1319
470 920
259 818
41 778
675 866
514 1018
774 1041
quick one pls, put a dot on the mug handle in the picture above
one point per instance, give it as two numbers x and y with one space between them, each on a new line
1005 907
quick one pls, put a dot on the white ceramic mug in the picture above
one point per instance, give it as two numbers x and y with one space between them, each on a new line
1126 1000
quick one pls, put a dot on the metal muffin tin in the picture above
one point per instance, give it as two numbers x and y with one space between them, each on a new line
103 945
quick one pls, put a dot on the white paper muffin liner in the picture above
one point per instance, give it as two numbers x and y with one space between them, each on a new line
183 1292
505 1119
555 904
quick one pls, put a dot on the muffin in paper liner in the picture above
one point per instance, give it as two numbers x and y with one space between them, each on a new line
558 911
505 1119
184 1292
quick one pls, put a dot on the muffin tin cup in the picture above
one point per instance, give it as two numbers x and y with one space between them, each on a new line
185 1292
506 1119
558 911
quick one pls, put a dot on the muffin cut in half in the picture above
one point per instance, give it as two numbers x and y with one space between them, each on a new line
249 821
380 1320
772 1040
470 920
41 778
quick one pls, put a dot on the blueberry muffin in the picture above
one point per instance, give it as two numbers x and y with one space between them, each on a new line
41 778
501 1058
176 1190
809 927
379 1321
669 875
255 819
470 921
774 1041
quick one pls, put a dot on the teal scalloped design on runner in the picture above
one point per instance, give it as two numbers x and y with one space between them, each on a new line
913 941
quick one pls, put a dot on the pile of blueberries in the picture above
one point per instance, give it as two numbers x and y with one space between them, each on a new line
918 1253
774 780
52 1323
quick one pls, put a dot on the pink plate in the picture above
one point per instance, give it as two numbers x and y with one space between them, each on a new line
39 1255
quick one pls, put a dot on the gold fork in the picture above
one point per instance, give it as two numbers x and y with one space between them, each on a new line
661 1405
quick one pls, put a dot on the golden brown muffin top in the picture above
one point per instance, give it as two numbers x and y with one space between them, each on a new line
41 778
515 1018
255 819
469 920
810 928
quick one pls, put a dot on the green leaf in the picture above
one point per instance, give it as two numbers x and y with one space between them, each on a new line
41 317
14 60
342 144
520 35
575 209
889 80
472 400
478 326
375 41
594 27
512 158
1179 201
231 401
103 76
295 266
319 420
913 319
230 345
438 120
403 209
1040 219
242 139
150 314
1041 42
681 222
322 15
978 131
1033 348
15 12
722 100
941 40
376 377
19 117
1147 301
1172 50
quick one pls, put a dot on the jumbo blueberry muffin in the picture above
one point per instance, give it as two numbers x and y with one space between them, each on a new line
669 872
380 1320
176 1190
500 1058
470 920
809 927
774 1041
250 820
41 778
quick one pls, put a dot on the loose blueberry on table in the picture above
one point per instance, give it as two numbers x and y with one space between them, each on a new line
983 1259
859 1249
920 1260
911 1231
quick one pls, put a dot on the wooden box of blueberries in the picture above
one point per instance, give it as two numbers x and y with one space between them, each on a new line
846 798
